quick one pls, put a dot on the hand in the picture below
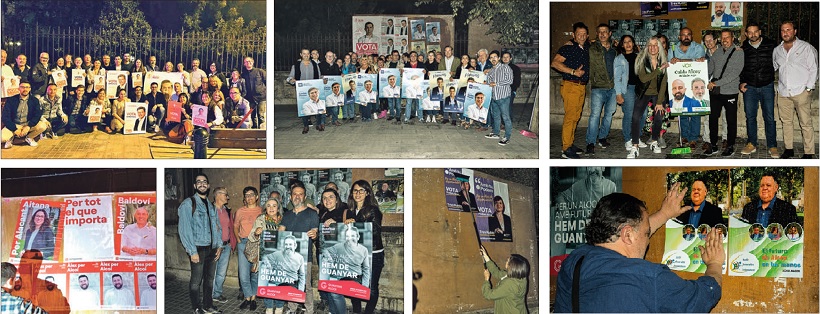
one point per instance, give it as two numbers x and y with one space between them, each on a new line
499 231
350 221
674 60
312 234
465 203
664 66
712 253
329 222
483 252
711 85
492 84
671 203
700 59
218 252
195 258
486 275
659 109
620 99
743 87
579 72
258 231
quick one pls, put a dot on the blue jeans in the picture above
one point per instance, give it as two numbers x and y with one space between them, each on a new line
334 114
490 121
765 96
365 110
247 280
412 105
202 276
376 273
599 123
501 111
394 107
628 105
690 127
155 119
335 302
348 111
221 270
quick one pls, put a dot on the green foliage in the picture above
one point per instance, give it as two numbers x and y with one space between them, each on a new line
222 19
790 180
123 20
26 14
513 21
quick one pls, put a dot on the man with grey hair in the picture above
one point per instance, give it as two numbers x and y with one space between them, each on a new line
484 64
140 237
352 258
288 265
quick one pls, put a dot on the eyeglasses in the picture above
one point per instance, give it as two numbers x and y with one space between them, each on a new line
250 195
359 191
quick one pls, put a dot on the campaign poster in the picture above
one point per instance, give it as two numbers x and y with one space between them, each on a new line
644 30
200 115
687 88
282 265
39 227
451 101
426 103
671 28
621 28
433 47
308 99
136 79
273 181
89 217
77 77
574 193
724 16
158 77
770 251
650 9
417 31
484 193
477 93
477 113
346 259
136 118
433 32
327 89
84 286
682 246
50 297
60 78
309 178
389 195
118 286
349 88
147 288
343 178
365 37
477 76
136 232
366 83
388 90
785 185
497 227
458 190
116 81
174 111
420 47
98 83
389 25
11 86
688 6
413 87
436 94
390 43
94 113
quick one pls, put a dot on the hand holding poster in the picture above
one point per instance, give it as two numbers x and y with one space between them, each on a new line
77 77
478 93
414 83
687 88
200 115
94 113
136 119
282 265
59 78
11 86
346 259
437 81
308 102
390 82
40 227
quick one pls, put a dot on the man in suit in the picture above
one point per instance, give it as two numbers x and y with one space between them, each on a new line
466 198
122 84
688 233
449 63
27 125
437 94
403 28
756 234
389 30
141 124
702 211
500 223
767 208
452 107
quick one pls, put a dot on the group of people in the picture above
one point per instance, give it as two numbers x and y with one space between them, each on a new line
502 75
210 231
622 73
44 107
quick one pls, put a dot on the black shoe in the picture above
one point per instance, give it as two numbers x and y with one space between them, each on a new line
709 151
245 304
590 149
728 152
253 305
807 156
389 118
788 153
569 154
211 310
199 311
445 121
603 143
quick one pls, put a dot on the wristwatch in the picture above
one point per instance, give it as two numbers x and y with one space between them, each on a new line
809 89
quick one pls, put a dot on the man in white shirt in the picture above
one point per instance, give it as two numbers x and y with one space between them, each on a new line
367 98
796 64
84 298
403 28
196 75
139 238
315 107
392 92
418 33
368 36
477 111
118 296
148 296
434 37
333 101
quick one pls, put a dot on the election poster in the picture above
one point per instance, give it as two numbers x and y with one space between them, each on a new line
77 77
458 190
650 9
724 16
114 82
51 295
89 217
671 27
367 87
417 31
158 77
136 232
433 47
118 286
451 102
414 83
478 93
427 104
60 78
621 28
770 251
136 118
327 89
11 86
390 83
389 194
283 257
688 6
174 111
147 288
574 193
365 38
99 83
687 88
39 227
274 182
200 115
493 218
136 79
477 112
419 46
308 101
477 76
682 245
84 289
437 82
346 259
94 113
433 32
349 88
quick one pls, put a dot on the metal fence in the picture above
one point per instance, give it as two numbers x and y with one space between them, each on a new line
769 15
228 52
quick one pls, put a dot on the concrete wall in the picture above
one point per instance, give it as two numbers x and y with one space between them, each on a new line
445 248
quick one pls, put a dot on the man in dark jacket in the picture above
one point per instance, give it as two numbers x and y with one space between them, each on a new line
757 86
40 76
255 82
506 58
768 209
702 211
21 117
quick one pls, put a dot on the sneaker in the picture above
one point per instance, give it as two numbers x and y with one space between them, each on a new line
773 153
576 150
199 311
709 151
427 120
7 144
787 153
590 149
434 119
641 144
55 136
156 129
628 145
211 310
661 142
728 152
748 149
492 136
655 147
633 153
603 143
375 116
221 299
570 154
504 142
31 142
245 304
807 156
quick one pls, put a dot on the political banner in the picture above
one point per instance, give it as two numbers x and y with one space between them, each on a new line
457 187
200 115
283 257
136 118
367 87
98 83
136 232
682 245
727 17
414 83
327 89
494 223
389 194
136 79
11 86
390 83
433 30
770 251
274 182
437 81
158 77
39 227
94 113
89 217
116 81
60 78
478 93
77 77
346 259
687 88
308 101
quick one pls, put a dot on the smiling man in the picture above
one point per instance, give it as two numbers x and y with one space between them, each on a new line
139 238
767 208
702 212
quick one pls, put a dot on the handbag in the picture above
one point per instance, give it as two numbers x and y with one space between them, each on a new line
252 254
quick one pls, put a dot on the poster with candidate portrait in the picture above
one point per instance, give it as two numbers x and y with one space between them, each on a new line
136 118
671 28
621 28
84 286
283 257
417 31
388 91
389 25
650 9
346 259
11 86
60 78
273 181
458 190
414 83
146 289
433 32
116 81
39 227
327 89
308 97
574 193
158 77
644 30
687 88
349 88
89 217
98 83
436 94
118 286
77 77
688 6
477 92
366 37
389 194
136 79
135 237
199 115
477 76
724 16
363 95
493 219
451 101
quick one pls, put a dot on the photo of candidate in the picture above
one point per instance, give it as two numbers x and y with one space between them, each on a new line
774 231
310 188
703 230
368 36
720 18
87 296
288 265
148 296
385 194
434 36
679 100
722 229
312 106
756 232
418 32
688 233
466 198
344 187
40 234
699 90
794 231
500 223
735 9
351 256
140 237
767 208
703 211
118 295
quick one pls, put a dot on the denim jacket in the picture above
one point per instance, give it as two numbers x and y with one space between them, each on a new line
193 227
621 74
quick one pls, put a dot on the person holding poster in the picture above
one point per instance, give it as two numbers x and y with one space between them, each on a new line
139 238
53 115
7 77
452 108
476 112
269 221
102 108
118 111
314 107
351 256
302 219
367 99
289 268
392 92
77 104
725 67
510 292
767 208
365 208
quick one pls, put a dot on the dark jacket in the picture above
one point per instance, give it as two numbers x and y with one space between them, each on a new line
517 76
25 74
712 215
373 215
758 69
39 79
43 242
255 84
493 224
329 69
782 212
10 112
598 75
509 294
460 198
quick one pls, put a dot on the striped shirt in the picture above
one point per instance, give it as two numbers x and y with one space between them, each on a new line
502 76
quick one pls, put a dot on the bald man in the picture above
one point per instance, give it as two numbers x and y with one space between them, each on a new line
702 212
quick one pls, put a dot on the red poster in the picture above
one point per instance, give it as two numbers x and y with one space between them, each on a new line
174 111
135 232
39 227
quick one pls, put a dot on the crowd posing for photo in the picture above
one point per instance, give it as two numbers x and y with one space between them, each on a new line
44 105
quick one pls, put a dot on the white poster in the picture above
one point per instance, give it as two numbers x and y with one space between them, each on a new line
136 119
114 82
89 234
77 77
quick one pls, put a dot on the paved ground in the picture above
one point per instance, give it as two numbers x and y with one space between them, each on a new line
618 151
381 139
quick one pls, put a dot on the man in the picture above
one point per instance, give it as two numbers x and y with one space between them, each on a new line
106 63
329 66
688 233
395 60
796 60
21 117
685 51
118 296
141 124
275 186
767 208
792 233
484 65
500 78
466 198
698 91
389 47
122 84
573 62
690 124
757 86
157 105
152 64
368 36
310 188
418 33
314 56
392 92
314 107
7 73
350 256
256 92
221 199
52 106
434 36
734 8
602 55
720 19
611 266
333 102
453 108
196 96
40 76
303 69
302 219
148 296
774 233
87 62
367 99
127 65
756 234
200 232
449 63
403 48
21 70
118 64
724 68
389 30
85 298
507 59
51 299
76 104
403 28
288 265
197 75
500 223
344 187
140 237
437 92
8 302
702 212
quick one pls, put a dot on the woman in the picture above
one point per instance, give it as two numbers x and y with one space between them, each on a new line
364 208
118 112
510 292
431 64
473 63
339 63
102 101
268 221
180 132
348 66
625 81
236 81
213 70
243 222
215 84
465 65
169 67
650 65
332 210
218 102
39 235
93 73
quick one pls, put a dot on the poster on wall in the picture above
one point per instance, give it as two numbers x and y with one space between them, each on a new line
147 288
282 265
727 17
458 190
417 31
687 88
497 226
366 40
645 29
118 286
688 6
346 259
39 227
433 32
85 284
575 193
671 28
89 217
650 9
136 232
390 195
315 182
